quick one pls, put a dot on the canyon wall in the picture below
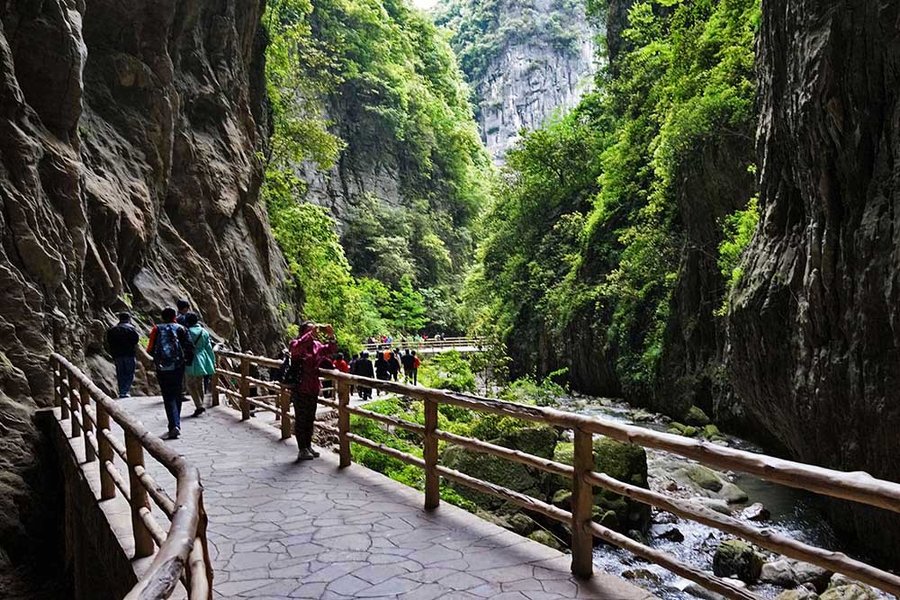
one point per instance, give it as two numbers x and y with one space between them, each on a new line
814 325
532 60
130 137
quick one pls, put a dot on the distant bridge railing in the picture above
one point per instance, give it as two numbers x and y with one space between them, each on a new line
443 343
857 487
180 551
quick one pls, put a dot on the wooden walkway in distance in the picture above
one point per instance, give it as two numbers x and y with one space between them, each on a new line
282 529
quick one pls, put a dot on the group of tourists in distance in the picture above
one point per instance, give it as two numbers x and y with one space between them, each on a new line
183 356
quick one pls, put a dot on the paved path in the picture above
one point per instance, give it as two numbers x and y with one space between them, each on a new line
281 529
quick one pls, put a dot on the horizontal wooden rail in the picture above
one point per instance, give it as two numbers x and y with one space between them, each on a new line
710 582
187 528
859 487
544 464
772 540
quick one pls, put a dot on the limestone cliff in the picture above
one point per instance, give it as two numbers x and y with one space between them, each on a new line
525 61
815 322
129 137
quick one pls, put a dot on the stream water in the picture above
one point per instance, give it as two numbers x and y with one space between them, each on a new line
793 512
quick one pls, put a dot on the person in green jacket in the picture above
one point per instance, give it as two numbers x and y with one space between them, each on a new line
204 363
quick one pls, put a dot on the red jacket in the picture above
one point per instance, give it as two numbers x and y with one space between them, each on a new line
311 353
342 366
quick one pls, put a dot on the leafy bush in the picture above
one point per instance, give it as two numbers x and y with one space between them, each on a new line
447 371
739 228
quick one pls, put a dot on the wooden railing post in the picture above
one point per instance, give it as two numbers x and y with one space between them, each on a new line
284 403
73 403
582 506
60 391
143 542
432 481
105 451
245 388
84 394
344 423
214 388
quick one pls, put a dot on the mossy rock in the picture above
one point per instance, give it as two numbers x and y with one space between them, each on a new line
607 518
682 429
562 499
703 477
522 524
711 432
625 462
734 557
696 417
539 441
495 470
546 539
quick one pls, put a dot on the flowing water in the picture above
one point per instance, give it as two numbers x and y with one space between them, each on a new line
793 512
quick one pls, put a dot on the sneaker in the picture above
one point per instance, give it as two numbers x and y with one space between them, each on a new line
313 452
199 411
305 454
174 434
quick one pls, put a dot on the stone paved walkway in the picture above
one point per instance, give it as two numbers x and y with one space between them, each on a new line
280 529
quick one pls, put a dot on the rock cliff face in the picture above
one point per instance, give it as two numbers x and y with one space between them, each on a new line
815 323
540 60
129 135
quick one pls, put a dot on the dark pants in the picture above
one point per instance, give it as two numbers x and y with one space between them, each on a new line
304 417
124 374
171 384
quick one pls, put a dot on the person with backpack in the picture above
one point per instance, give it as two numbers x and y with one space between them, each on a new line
307 355
123 340
204 363
171 349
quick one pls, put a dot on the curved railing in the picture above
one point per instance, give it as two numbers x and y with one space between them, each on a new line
179 553
858 487
441 344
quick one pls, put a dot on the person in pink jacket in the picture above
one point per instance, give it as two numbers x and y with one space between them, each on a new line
308 353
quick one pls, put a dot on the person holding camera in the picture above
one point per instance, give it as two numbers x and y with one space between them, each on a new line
307 354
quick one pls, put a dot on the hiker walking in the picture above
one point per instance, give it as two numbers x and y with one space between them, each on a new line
364 368
382 368
203 365
416 363
171 349
123 340
394 362
307 353
184 307
407 361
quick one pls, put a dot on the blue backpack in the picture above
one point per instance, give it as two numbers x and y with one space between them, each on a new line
168 355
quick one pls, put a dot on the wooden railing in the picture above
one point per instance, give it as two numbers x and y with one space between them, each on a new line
858 487
180 551
443 343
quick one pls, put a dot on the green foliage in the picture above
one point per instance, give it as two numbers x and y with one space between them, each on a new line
584 237
528 391
739 228
389 80
482 29
447 371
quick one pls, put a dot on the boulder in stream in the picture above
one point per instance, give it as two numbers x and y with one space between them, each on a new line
841 587
790 573
734 557
800 593
696 417
756 512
